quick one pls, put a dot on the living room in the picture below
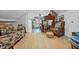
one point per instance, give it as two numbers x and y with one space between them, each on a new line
39 29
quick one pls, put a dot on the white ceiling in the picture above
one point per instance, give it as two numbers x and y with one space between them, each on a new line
60 11
14 14
11 14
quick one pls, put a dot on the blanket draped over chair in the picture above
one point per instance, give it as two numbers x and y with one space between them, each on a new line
9 35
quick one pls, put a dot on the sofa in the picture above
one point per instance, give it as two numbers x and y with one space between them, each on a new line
9 36
75 40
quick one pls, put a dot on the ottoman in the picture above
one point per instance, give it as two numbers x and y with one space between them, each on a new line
50 34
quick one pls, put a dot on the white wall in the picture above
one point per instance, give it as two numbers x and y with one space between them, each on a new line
29 25
8 21
26 19
69 17
22 20
12 20
32 14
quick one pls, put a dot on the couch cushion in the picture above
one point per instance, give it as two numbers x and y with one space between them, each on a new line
3 31
75 41
75 34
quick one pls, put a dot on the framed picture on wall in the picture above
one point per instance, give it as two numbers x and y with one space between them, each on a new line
44 22
61 17
50 22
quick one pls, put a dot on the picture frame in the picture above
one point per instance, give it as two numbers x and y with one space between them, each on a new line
61 17
50 22
44 22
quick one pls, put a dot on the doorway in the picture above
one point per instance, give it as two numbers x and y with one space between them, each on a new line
36 24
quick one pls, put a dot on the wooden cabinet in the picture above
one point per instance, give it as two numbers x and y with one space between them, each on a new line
49 17
48 22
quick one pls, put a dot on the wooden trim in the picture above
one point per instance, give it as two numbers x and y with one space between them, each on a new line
12 46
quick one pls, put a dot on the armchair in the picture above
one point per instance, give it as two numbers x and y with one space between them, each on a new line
59 28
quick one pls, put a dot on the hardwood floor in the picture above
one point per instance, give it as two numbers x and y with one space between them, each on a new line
41 41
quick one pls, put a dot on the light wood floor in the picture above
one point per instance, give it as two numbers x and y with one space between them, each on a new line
41 41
